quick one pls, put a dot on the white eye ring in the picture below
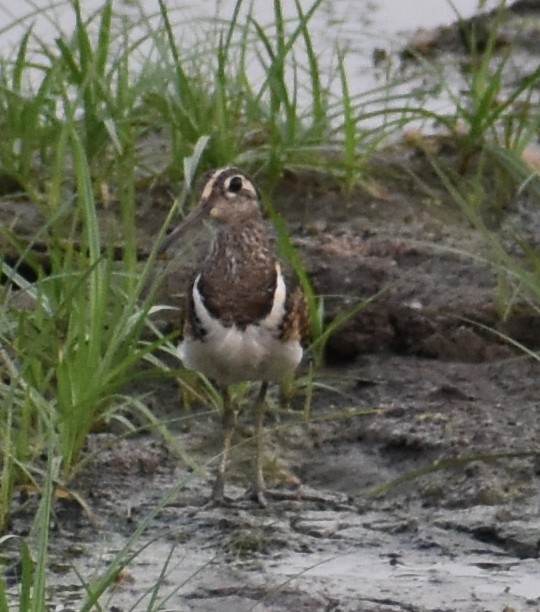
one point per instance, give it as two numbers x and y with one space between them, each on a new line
241 183
234 184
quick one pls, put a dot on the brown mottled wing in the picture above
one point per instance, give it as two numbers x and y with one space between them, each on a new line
242 300
296 324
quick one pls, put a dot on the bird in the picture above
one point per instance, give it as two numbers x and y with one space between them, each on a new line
245 320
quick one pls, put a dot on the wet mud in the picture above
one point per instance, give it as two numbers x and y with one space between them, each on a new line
413 485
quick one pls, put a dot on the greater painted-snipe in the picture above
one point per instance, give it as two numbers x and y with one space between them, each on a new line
244 320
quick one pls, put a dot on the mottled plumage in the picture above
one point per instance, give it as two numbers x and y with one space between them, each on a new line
244 320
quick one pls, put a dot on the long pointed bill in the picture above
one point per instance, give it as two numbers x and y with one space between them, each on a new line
193 219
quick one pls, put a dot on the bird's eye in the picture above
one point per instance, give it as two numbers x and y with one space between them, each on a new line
235 184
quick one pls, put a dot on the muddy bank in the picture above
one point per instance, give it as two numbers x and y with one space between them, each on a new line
464 538
437 390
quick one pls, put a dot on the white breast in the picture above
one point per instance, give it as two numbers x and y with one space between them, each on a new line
230 354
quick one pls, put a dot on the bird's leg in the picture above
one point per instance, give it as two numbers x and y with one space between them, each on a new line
229 425
258 483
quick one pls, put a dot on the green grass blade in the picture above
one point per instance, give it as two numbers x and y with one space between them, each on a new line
233 21
183 85
21 62
76 73
104 38
84 46
27 576
349 127
318 106
93 241
40 529
4 605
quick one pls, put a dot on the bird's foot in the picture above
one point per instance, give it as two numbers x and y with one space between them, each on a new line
257 495
218 502
217 497
260 498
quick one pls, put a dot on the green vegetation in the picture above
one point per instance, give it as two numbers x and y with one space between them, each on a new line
76 116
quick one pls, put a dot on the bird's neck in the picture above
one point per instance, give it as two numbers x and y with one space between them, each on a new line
239 279
242 245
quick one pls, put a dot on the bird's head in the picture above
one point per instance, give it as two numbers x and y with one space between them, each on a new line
228 196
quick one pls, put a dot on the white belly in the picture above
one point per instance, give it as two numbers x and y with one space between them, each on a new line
229 354
232 355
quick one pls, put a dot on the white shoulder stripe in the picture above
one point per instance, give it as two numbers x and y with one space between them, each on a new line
207 320
274 318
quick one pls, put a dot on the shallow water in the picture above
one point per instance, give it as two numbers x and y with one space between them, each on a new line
359 27
350 20
362 29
